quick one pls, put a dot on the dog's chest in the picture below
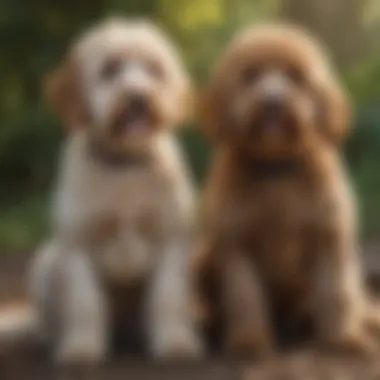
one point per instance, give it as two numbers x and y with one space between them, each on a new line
139 204
279 231
111 205
129 221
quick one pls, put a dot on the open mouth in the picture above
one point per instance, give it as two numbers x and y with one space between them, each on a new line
273 125
136 117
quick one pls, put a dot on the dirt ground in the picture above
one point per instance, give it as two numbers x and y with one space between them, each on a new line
302 365
29 364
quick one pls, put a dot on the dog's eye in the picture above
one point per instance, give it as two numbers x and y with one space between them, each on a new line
110 69
249 75
295 75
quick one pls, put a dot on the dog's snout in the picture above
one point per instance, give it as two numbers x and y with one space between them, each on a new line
273 103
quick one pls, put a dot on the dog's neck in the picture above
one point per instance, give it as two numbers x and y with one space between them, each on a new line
267 169
102 155
262 168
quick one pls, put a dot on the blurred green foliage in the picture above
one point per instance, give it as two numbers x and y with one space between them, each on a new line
35 35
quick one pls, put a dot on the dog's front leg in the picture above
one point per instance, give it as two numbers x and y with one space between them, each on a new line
340 295
83 337
243 299
170 318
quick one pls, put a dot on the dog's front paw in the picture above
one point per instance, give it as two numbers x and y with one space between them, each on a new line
245 344
361 343
81 351
178 344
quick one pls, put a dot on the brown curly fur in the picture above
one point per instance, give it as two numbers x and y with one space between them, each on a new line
281 238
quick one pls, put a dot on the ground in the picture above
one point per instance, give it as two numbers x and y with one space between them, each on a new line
301 365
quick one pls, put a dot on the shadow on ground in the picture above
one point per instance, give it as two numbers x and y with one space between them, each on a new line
29 364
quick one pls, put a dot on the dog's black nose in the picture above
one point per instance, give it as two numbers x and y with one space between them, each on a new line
139 104
273 103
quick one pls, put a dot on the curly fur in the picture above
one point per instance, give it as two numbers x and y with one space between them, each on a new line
122 219
280 257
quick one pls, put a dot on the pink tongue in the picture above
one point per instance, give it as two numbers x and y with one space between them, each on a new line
137 124
273 127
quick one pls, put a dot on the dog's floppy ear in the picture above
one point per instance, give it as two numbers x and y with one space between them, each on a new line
336 111
63 90
185 106
212 112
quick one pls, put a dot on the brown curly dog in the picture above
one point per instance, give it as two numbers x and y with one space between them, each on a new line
281 245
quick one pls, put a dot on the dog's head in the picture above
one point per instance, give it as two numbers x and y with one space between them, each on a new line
274 92
123 82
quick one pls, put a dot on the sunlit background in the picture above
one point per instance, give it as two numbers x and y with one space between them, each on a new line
35 35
